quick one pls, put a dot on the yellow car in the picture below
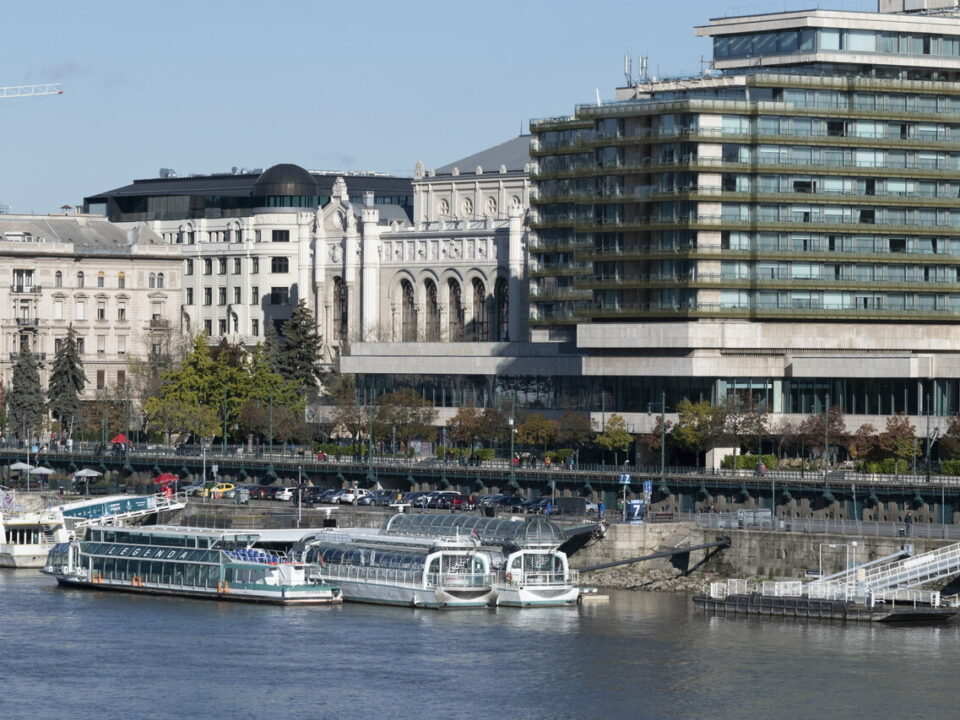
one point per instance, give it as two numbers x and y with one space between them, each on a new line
218 491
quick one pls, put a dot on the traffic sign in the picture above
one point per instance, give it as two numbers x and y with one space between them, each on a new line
624 479
648 487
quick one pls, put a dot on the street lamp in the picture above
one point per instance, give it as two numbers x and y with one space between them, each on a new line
513 436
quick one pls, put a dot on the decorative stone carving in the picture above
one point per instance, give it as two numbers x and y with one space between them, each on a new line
418 169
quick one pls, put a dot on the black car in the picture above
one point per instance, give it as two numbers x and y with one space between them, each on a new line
511 502
379 498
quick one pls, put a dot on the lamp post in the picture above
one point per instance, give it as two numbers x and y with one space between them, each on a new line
826 437
299 495
513 436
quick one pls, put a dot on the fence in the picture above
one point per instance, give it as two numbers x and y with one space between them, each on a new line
733 521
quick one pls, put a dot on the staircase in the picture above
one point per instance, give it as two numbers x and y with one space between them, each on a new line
913 571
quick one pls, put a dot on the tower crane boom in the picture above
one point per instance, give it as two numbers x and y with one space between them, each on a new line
28 90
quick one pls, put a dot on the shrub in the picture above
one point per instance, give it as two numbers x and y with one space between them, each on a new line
950 467
749 462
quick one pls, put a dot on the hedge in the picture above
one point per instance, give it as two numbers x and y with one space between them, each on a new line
749 462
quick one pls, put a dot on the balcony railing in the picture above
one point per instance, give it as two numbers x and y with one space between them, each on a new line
28 321
159 324
37 356
812 308
25 288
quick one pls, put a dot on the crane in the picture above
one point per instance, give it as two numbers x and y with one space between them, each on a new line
28 90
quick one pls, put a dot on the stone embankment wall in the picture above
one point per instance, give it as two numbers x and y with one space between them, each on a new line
753 554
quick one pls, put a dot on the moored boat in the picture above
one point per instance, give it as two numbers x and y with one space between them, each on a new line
373 567
188 562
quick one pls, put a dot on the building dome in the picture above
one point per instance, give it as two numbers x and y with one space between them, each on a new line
285 179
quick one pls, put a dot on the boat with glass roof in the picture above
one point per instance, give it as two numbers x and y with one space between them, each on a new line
190 562
373 567
530 569
27 536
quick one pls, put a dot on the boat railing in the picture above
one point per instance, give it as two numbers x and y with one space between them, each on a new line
459 580
908 596
367 574
571 577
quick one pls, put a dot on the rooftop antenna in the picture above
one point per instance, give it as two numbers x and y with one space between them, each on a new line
642 67
598 98
628 68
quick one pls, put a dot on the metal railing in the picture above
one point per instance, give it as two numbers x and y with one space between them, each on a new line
817 526
571 577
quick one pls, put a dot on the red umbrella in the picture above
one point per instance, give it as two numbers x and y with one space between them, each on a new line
119 438
166 478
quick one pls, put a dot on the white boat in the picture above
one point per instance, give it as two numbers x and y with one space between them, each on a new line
187 562
27 536
426 572
530 569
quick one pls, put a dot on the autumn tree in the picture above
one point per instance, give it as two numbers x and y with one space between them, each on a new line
899 438
746 420
661 429
464 427
811 430
615 437
404 415
538 431
950 442
575 431
863 443
700 426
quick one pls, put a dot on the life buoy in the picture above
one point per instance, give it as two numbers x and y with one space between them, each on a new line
510 578
223 588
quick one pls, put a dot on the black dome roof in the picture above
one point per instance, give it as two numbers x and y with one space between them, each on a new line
285 179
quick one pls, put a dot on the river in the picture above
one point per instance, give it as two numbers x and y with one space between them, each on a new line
80 654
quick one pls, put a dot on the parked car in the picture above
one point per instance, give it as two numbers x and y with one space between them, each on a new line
334 497
217 491
350 494
278 492
379 498
510 502
424 500
445 500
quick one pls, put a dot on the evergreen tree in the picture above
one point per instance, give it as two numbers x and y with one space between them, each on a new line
299 351
25 398
66 384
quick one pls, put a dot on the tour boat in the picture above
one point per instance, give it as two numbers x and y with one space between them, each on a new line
427 572
27 537
188 562
530 570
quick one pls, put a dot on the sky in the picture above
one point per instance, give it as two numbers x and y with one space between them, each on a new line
201 86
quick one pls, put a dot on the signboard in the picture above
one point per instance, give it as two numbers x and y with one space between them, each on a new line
648 487
214 468
624 479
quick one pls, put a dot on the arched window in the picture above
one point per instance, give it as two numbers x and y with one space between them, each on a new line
480 326
79 279
153 280
100 279
432 320
159 280
58 279
501 299
455 304
340 307
121 280
408 312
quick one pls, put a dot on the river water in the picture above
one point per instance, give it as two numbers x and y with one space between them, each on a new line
78 654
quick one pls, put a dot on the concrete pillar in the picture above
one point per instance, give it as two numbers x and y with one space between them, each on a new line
517 321
370 312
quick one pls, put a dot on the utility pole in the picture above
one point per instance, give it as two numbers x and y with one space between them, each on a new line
224 421
826 437
513 434
663 436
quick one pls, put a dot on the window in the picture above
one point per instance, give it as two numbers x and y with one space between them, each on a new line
121 344
254 295
256 235
222 326
101 309
121 378
254 266
81 309
189 296
79 279
221 266
208 327
189 270
100 279
57 344
58 309
153 280
208 296
281 236
58 279
207 266
236 266
101 344
81 346
121 280
159 280
221 296
279 265
279 296
255 327
101 379
236 296
121 311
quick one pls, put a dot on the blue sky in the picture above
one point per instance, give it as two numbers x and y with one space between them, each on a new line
201 86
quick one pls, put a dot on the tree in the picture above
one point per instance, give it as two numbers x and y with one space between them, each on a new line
950 442
298 352
404 415
537 430
651 440
615 436
899 439
464 427
3 405
746 420
575 430
863 443
493 426
25 398
811 430
66 384
700 426
347 414
146 371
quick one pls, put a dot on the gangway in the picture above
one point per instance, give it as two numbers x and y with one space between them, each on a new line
914 571
850 575
160 503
